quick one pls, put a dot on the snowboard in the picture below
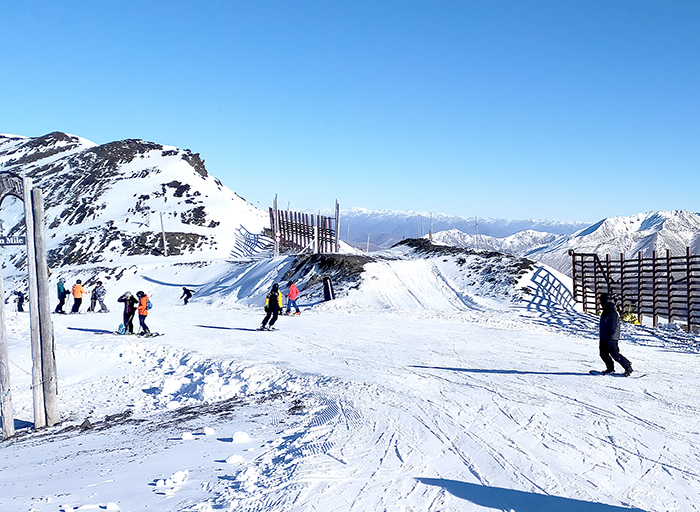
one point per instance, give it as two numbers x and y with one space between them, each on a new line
635 375
151 334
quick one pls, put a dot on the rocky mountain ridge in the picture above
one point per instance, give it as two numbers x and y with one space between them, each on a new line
103 202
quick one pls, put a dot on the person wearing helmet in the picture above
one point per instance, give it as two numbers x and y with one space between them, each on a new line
78 292
130 303
62 294
273 306
142 308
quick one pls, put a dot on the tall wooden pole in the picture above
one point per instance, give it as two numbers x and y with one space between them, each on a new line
8 419
48 351
276 227
162 230
37 378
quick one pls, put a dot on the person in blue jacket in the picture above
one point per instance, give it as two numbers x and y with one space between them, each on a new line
62 294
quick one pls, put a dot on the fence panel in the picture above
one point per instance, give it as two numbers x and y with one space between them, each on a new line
663 286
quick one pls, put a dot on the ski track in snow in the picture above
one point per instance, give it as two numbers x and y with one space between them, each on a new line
387 403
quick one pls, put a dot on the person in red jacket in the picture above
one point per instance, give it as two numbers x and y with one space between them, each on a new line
142 308
292 298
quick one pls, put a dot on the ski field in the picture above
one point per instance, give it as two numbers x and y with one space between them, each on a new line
405 394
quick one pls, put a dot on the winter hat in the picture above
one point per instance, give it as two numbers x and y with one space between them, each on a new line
127 294
62 280
275 287
140 294
79 282
99 283
290 283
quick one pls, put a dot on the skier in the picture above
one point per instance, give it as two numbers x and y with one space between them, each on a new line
78 292
273 305
93 300
20 301
186 294
142 308
130 303
100 293
292 298
62 293
610 336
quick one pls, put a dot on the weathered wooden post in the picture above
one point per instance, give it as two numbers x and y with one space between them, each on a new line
34 328
276 227
8 418
48 351
336 245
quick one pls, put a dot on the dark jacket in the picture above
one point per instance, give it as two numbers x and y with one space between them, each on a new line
609 323
129 303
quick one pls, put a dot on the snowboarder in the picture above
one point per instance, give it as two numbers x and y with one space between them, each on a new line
62 294
292 298
20 301
610 336
130 303
100 293
273 306
186 294
142 308
78 292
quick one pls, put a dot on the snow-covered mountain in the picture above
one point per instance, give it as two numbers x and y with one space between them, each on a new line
386 227
518 244
108 201
645 233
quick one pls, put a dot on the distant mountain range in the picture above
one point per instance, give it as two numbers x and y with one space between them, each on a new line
645 233
386 228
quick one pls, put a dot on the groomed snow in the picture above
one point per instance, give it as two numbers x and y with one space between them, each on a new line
396 397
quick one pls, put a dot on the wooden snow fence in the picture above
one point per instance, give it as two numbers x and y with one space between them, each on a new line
665 286
298 231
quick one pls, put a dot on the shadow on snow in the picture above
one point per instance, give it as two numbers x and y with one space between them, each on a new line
498 498
494 371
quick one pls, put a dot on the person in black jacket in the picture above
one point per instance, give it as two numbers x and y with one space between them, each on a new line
129 311
186 294
610 336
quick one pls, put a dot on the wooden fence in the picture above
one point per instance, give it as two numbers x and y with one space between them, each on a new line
299 231
661 286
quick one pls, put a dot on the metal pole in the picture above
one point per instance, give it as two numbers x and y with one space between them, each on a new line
8 419
37 378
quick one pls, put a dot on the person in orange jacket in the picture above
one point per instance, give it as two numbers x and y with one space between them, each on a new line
78 292
142 308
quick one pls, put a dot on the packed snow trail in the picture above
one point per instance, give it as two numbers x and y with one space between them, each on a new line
363 410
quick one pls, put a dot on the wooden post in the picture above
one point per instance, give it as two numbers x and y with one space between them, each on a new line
337 226
48 352
688 290
37 378
276 227
8 414
162 230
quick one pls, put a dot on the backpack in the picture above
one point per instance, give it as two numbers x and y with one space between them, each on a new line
149 304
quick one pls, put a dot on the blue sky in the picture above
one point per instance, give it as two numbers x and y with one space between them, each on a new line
560 110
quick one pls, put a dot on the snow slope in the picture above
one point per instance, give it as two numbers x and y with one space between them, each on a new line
408 392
